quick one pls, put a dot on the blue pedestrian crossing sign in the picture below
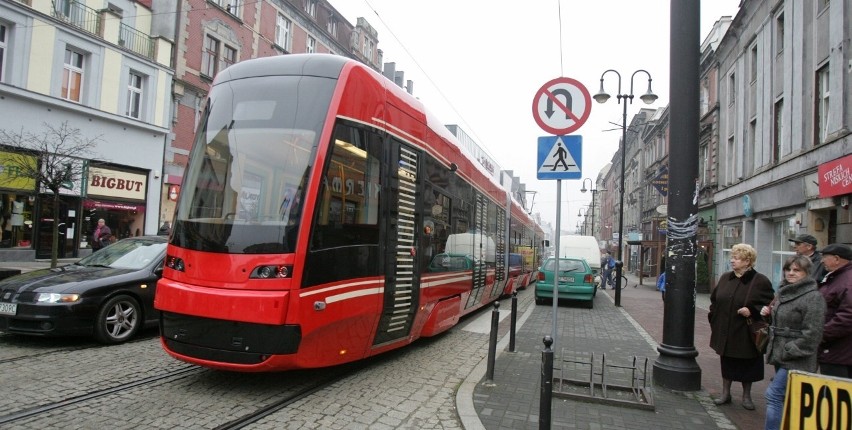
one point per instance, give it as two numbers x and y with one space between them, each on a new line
560 157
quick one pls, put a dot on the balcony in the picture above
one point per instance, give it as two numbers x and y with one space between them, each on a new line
77 14
135 41
102 24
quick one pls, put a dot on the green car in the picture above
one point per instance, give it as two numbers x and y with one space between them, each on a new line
576 281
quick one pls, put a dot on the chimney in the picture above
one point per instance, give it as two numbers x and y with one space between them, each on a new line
390 70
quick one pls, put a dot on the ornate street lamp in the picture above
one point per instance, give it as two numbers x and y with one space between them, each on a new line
601 97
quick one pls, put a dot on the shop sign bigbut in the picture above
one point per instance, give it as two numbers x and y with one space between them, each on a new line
115 183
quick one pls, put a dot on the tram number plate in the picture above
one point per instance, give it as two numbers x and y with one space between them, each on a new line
8 308
566 279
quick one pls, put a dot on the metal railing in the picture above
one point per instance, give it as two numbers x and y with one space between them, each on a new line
77 14
135 41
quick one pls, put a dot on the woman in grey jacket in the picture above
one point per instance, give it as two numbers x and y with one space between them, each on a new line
798 314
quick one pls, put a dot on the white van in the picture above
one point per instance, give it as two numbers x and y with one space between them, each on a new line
581 247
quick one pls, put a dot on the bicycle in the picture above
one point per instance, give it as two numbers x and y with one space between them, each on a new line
612 278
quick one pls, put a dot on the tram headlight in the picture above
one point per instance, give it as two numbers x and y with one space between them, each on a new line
175 263
271 272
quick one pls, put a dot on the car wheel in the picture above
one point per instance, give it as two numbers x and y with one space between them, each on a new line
539 300
590 304
118 320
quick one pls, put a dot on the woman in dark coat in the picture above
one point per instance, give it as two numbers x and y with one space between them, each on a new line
739 294
797 317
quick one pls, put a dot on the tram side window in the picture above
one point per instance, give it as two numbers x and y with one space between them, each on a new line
348 204
436 230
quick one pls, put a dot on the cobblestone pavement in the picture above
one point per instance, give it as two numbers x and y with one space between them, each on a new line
436 383
511 401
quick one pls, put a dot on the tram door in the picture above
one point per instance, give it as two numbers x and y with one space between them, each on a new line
402 279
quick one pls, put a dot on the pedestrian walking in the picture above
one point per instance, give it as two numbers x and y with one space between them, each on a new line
835 351
738 295
805 244
607 264
102 235
796 316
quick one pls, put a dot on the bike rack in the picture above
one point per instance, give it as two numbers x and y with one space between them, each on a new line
627 384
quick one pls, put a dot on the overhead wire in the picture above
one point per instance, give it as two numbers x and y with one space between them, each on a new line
561 61
469 127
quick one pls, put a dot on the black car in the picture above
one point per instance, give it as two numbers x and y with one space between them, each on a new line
108 295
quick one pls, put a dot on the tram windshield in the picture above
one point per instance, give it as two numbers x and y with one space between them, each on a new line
244 187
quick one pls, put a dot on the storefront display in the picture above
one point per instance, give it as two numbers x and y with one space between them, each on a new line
17 195
119 198
16 224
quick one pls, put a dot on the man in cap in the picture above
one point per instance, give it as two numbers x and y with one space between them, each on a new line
835 351
805 244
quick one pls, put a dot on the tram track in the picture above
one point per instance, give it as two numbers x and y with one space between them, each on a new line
43 354
78 348
333 376
23 342
43 409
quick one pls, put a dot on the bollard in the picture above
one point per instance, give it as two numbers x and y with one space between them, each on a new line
546 384
513 324
492 341
619 265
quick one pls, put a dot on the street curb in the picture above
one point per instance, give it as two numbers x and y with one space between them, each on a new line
464 396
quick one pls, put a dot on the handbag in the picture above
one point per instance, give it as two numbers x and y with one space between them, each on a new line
758 328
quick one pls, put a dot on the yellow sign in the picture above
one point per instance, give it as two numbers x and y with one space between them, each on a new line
817 402
10 169
528 253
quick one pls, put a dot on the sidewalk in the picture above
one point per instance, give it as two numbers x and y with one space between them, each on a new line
511 400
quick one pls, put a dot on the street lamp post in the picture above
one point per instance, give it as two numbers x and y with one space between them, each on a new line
583 212
594 192
601 97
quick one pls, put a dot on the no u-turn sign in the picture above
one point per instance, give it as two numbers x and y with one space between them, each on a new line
561 106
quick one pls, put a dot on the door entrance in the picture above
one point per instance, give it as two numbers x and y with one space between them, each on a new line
402 279
66 217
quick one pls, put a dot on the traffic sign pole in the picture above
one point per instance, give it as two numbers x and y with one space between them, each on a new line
560 107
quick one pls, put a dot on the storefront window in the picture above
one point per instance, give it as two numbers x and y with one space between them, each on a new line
123 219
16 220
731 235
784 230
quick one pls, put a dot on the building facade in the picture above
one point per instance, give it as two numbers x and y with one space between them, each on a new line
96 67
774 136
784 115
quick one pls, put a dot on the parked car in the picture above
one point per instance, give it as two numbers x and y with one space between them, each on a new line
108 295
576 281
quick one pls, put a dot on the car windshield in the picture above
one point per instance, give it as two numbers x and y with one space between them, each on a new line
565 265
126 254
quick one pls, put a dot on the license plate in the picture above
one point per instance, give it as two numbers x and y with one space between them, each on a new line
8 308
566 279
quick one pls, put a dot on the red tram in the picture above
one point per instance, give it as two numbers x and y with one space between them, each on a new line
325 217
